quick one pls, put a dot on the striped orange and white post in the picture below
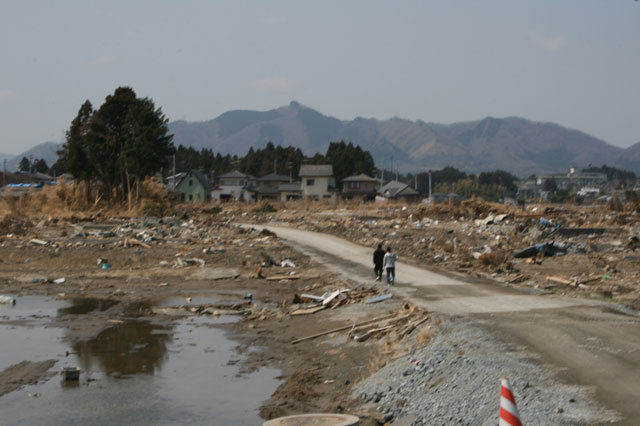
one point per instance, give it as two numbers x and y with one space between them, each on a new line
509 415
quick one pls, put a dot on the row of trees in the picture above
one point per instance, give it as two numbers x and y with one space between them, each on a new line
116 146
489 185
37 165
345 158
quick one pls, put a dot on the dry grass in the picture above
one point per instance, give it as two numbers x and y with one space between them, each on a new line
70 200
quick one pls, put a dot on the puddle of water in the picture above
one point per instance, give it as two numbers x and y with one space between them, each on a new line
81 306
31 307
197 300
136 373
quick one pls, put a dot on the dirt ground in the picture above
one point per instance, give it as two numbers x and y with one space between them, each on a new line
589 251
207 257
201 252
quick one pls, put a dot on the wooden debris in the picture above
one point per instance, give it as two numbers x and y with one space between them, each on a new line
136 242
283 277
330 297
308 311
346 327
560 280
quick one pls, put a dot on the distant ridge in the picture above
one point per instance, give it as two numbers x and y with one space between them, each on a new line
514 144
45 150
520 146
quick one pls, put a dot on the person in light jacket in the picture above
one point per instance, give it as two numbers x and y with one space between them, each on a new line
389 264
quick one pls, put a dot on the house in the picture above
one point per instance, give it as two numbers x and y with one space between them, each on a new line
397 191
194 186
235 185
290 191
173 181
317 182
273 179
267 192
575 180
269 186
361 187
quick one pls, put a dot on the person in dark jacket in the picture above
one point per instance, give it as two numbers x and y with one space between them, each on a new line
378 256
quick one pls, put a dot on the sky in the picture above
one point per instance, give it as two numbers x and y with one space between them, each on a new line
571 62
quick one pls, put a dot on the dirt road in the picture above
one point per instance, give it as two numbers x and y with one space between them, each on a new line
593 344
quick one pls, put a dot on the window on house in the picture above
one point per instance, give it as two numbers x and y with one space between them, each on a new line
190 182
311 182
182 196
354 185
190 197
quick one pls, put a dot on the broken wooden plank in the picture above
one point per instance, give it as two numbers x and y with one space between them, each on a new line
393 321
136 242
559 280
38 242
330 297
283 277
308 311
408 329
346 327
370 333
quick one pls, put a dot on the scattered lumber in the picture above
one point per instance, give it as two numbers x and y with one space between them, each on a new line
308 311
283 277
559 280
346 327
136 242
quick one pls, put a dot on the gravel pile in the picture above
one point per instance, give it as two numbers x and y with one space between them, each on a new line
456 381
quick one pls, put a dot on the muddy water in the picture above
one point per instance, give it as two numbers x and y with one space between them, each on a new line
139 372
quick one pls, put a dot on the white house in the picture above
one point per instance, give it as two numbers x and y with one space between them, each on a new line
234 185
317 182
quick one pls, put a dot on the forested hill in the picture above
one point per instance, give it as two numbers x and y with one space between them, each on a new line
514 144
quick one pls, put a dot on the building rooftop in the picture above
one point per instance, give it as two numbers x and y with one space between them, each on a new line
316 170
235 174
274 177
360 178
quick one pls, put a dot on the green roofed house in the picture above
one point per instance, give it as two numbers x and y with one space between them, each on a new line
194 187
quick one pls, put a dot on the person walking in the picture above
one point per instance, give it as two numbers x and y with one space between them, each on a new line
389 264
378 257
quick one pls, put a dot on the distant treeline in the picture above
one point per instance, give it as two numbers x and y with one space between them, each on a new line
345 158
488 185
613 174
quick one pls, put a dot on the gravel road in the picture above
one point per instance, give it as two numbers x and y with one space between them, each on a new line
565 348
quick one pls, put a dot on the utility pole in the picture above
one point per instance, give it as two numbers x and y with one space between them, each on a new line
31 169
429 187
4 173
382 175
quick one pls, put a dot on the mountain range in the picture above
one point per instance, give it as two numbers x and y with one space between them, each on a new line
514 144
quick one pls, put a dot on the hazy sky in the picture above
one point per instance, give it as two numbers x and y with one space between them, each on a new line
573 62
